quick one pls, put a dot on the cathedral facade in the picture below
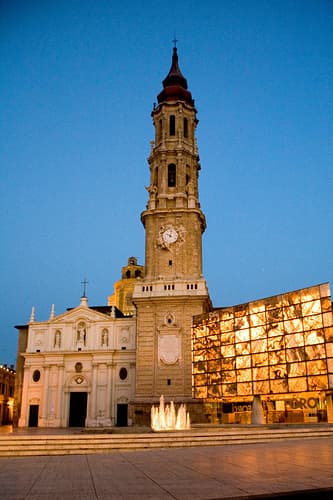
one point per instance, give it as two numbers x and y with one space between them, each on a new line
160 335
78 369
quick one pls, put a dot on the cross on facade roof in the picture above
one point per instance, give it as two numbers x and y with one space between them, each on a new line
84 283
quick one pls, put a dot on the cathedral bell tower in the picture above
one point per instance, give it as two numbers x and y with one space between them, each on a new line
173 289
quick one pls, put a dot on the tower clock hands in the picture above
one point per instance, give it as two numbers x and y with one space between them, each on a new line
170 235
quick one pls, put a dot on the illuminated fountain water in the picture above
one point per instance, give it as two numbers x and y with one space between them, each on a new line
167 417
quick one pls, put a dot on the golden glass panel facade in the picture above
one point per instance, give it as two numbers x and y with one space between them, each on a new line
278 345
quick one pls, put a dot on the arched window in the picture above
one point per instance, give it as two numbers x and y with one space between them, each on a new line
128 273
137 273
185 127
172 127
171 175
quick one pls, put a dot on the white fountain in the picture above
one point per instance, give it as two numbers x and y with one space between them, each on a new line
166 417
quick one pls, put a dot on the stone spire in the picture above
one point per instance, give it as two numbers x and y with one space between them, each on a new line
52 312
32 315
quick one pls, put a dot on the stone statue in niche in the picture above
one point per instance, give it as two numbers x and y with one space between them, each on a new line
81 333
105 337
57 338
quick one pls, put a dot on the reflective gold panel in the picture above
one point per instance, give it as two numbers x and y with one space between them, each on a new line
297 385
243 361
244 375
260 373
296 369
260 359
244 389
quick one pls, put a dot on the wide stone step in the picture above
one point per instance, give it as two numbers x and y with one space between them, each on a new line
73 444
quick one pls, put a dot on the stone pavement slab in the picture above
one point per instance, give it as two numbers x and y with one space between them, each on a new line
260 470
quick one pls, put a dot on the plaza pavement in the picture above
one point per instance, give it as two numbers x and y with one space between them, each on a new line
292 469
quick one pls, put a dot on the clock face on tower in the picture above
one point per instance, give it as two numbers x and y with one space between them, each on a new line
170 235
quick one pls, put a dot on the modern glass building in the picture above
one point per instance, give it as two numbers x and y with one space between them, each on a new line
278 348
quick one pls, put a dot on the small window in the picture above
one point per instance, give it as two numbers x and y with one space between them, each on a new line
172 128
185 127
137 273
128 273
123 373
36 376
169 381
171 175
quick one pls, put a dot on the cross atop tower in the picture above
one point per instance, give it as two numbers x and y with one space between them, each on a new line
174 41
84 283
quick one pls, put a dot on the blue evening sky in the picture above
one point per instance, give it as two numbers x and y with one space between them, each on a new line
78 82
